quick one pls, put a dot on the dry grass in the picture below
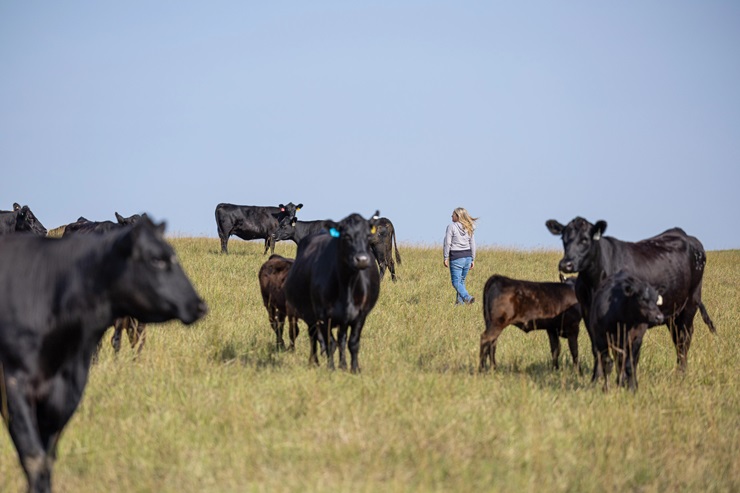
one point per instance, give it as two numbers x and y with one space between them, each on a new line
214 408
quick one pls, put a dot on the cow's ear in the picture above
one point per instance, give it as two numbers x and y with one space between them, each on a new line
597 230
16 206
299 207
160 228
293 221
554 227
119 218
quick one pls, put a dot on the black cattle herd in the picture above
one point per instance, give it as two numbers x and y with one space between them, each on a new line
61 295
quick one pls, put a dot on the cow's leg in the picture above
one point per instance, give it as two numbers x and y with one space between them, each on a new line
392 267
328 343
382 266
224 242
354 344
682 331
117 332
488 347
552 334
141 335
22 425
573 346
277 321
342 343
293 331
132 331
634 342
313 335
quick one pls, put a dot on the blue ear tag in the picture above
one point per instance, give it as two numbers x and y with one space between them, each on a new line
334 233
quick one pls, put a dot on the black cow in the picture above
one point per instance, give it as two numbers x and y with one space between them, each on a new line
83 225
295 230
20 220
135 329
59 297
671 260
251 222
529 305
330 285
621 311
271 278
382 244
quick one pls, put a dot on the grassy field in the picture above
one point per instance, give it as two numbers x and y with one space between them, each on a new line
213 407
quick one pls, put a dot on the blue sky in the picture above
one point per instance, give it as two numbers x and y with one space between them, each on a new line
519 111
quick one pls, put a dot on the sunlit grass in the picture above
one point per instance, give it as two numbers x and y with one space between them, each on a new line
214 407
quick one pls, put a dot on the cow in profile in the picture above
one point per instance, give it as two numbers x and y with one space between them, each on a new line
20 220
59 297
84 225
252 222
529 305
671 260
382 243
622 309
271 278
334 283
135 329
295 230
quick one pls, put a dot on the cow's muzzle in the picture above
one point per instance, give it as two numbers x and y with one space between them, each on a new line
362 261
566 266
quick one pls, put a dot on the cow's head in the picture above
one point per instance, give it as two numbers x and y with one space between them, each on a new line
25 221
286 229
642 301
288 210
152 285
128 221
353 234
579 238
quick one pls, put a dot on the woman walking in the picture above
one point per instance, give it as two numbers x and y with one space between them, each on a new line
459 252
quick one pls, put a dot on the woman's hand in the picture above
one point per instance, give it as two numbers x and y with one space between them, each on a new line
447 263
472 264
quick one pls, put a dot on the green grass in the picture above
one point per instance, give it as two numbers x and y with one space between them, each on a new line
214 407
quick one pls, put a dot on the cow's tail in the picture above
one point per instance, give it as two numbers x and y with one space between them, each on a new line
395 246
219 225
705 317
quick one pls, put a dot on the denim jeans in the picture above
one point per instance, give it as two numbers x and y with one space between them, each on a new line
458 272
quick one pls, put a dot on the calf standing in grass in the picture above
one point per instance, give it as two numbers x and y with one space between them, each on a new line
622 310
58 298
272 277
334 283
529 305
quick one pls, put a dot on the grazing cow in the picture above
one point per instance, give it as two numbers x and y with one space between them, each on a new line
272 277
295 230
59 297
136 330
20 220
251 222
382 244
330 285
671 260
622 309
83 225
550 306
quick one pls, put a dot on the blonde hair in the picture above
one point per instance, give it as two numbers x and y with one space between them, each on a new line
464 218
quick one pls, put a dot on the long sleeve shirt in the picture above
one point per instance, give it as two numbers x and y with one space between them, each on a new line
458 243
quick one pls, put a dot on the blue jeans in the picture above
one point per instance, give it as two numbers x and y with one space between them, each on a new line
458 272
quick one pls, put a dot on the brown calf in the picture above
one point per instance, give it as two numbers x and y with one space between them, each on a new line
272 276
550 306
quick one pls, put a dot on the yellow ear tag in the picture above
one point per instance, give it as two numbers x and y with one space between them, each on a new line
372 230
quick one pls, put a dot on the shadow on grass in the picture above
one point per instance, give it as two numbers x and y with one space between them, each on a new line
261 358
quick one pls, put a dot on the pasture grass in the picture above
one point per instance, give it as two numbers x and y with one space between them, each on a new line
214 407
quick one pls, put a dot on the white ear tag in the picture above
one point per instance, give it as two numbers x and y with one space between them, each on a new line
660 300
597 236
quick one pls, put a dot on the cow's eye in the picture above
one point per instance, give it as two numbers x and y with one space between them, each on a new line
159 264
